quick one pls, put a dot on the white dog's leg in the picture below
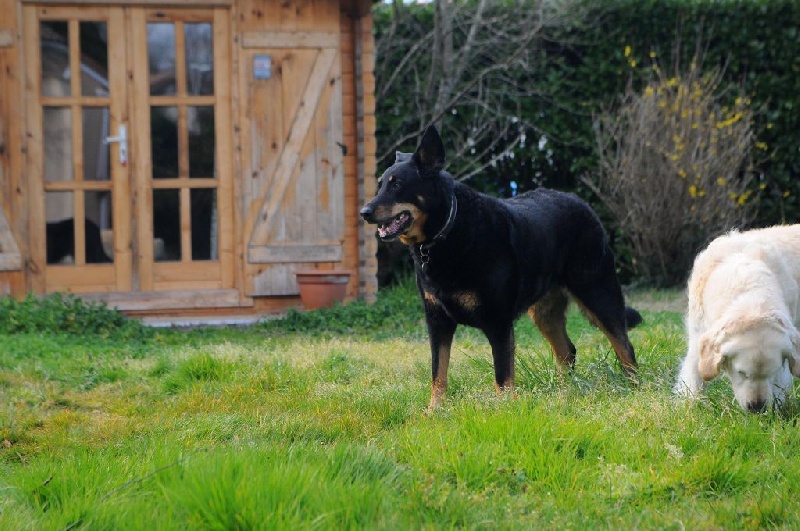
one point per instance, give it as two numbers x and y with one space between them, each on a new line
782 384
690 384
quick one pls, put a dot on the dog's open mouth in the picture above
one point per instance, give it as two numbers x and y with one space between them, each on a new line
397 226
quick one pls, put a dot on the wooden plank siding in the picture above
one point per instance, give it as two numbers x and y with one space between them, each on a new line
12 134
300 147
363 237
295 196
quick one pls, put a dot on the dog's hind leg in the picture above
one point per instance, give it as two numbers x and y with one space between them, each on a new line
549 315
604 306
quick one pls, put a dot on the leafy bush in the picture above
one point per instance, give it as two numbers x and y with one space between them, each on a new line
674 169
68 314
587 69
397 311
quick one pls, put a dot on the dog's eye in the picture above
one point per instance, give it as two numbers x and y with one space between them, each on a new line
742 374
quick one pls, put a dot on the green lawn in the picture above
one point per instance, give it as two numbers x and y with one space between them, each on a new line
318 421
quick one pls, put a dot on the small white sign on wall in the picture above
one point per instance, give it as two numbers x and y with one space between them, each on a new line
262 66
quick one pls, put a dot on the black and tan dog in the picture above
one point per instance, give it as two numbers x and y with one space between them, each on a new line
482 261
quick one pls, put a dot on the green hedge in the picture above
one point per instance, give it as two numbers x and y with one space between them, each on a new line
587 69
758 42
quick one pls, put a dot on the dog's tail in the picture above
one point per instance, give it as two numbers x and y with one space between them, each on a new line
632 317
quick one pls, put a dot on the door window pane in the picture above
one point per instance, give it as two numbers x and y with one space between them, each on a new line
99 233
199 58
60 232
164 141
204 223
94 58
96 165
201 141
161 57
57 130
166 225
54 46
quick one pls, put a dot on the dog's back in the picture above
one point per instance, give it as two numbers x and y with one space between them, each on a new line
566 231
741 262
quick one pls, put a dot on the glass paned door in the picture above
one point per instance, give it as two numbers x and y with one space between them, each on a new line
183 151
78 83
134 184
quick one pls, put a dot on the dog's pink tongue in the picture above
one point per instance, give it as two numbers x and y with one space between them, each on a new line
391 228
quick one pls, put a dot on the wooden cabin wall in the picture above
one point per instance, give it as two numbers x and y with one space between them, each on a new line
358 47
310 30
12 281
256 24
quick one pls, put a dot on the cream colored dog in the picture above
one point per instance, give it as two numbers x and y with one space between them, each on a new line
743 309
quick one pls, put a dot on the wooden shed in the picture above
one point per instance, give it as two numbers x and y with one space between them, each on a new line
182 159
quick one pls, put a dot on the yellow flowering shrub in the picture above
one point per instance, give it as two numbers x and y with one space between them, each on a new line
675 167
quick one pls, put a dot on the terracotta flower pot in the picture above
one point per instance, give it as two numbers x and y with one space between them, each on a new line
321 288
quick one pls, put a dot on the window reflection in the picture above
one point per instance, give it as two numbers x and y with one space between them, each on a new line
199 59
57 129
54 46
94 58
166 225
60 232
164 141
201 141
161 58
204 223
98 234
96 164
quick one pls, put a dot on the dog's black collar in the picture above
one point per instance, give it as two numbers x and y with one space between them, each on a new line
424 248
448 225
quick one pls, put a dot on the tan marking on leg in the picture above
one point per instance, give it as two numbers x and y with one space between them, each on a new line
622 348
439 386
549 316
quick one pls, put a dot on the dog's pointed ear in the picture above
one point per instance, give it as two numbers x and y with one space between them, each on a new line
399 157
430 152
710 356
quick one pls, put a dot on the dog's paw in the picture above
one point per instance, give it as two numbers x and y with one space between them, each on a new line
686 391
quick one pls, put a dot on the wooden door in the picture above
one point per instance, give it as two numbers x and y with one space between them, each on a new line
160 198
299 169
79 196
183 154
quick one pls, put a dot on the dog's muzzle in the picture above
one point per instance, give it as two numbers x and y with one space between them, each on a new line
397 226
391 228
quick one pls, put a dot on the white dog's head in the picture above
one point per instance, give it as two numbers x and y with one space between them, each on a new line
758 355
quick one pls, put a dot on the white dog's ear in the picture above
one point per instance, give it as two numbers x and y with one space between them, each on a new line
710 356
794 357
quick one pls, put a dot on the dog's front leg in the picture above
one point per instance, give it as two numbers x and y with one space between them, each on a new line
690 383
502 341
440 331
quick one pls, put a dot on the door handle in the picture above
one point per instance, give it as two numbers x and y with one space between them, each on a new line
122 138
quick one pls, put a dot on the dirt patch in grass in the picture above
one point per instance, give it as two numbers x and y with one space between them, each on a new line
672 300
